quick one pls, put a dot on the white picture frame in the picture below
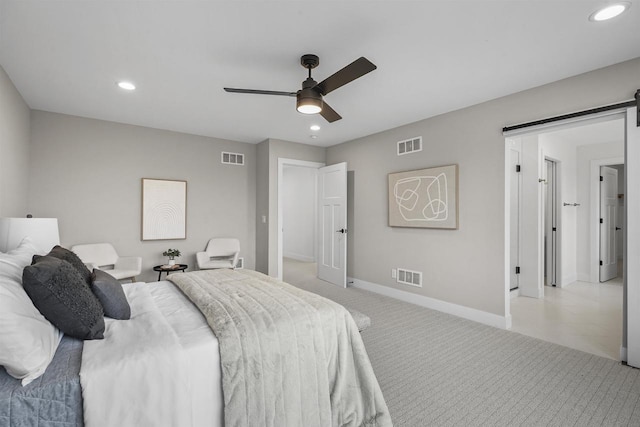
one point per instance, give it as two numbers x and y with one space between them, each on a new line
164 209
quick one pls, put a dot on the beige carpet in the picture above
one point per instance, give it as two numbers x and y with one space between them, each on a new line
440 370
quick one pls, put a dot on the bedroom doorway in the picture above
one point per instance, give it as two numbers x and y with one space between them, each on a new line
297 211
560 239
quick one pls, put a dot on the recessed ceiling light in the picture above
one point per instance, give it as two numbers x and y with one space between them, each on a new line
314 127
313 136
126 85
609 12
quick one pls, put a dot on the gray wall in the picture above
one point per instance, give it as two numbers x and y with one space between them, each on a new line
14 149
269 152
464 266
87 173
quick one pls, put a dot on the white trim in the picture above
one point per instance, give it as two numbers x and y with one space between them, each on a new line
623 353
567 280
507 228
502 322
594 212
282 162
299 257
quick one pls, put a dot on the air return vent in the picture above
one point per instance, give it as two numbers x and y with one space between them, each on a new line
240 263
410 146
408 277
232 158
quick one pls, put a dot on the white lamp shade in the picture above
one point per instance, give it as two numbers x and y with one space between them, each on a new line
42 231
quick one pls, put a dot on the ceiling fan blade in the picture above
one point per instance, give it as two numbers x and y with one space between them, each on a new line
259 92
356 69
329 113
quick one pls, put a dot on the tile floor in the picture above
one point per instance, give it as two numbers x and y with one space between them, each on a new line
584 316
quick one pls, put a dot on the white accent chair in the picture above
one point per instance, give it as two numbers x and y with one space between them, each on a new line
104 257
220 253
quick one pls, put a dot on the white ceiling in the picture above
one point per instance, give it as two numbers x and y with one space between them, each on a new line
595 132
432 57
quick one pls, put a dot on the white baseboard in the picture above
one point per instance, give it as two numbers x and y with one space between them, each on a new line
568 279
502 322
536 293
298 257
584 278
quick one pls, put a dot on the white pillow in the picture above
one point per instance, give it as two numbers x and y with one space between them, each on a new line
28 341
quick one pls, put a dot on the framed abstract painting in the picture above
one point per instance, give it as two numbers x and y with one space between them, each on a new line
424 198
164 209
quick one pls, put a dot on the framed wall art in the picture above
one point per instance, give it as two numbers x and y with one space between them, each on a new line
164 209
424 198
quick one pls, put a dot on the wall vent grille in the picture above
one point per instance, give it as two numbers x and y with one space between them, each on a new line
409 277
232 158
409 146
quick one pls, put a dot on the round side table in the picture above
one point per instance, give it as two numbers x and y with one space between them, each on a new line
164 269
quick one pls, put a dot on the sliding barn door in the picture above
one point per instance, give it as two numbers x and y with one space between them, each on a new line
632 253
332 224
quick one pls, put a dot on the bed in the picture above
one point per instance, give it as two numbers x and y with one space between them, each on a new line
171 369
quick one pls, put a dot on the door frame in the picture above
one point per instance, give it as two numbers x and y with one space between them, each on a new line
282 162
594 214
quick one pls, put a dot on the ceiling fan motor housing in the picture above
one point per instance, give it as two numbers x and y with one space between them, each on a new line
308 100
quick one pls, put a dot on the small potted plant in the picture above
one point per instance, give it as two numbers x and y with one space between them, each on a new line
172 254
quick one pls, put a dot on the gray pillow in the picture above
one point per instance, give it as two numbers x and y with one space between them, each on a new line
59 292
73 259
110 294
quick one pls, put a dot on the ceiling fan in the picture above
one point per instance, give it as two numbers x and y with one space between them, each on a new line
309 98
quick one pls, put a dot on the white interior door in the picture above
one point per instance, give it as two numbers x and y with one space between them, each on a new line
608 218
550 225
332 224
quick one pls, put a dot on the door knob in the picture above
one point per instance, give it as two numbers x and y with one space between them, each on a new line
342 230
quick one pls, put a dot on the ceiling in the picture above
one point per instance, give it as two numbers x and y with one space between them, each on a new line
432 57
592 132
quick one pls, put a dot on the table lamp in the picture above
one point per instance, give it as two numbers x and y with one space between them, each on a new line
42 231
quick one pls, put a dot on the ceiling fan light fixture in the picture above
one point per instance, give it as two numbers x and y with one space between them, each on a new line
308 101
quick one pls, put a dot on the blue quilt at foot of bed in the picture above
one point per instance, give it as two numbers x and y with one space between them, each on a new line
53 400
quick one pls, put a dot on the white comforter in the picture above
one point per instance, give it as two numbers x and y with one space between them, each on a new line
160 368
289 358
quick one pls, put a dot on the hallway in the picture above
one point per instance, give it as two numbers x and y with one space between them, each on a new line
584 316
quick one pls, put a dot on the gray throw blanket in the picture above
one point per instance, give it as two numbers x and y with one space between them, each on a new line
289 358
